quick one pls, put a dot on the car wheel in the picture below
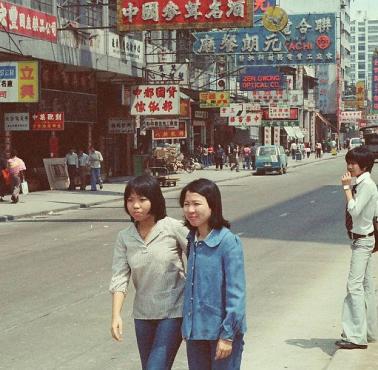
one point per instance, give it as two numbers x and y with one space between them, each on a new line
280 172
285 169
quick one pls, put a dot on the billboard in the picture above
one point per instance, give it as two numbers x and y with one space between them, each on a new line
374 84
19 82
307 39
138 15
214 99
261 79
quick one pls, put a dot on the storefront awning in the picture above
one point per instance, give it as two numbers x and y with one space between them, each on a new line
298 133
290 132
323 119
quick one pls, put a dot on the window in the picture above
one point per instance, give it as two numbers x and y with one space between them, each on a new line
361 47
373 29
373 38
361 75
361 56
361 29
361 65
42 5
361 38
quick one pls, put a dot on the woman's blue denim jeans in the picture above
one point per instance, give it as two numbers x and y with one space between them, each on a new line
201 354
158 342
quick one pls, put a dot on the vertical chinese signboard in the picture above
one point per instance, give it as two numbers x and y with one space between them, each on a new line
19 82
138 15
360 94
374 85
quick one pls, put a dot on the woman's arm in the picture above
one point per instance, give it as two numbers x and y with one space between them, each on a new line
117 325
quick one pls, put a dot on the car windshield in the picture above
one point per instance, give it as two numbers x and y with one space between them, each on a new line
267 151
356 141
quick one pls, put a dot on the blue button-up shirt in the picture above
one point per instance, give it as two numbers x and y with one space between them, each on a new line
214 296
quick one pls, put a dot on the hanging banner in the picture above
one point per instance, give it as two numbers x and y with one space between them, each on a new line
48 121
168 72
267 135
307 39
16 121
239 109
350 116
19 82
374 84
27 22
155 100
138 15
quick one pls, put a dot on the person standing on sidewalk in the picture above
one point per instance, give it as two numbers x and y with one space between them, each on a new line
214 320
72 166
219 154
94 159
83 168
17 168
4 176
150 252
359 317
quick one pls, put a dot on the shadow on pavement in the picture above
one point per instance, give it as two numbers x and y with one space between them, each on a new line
325 344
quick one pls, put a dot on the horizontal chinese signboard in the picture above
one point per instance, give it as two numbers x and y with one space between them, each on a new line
48 121
279 111
155 100
120 126
169 133
266 97
214 99
27 22
250 119
168 72
19 82
350 116
239 109
126 48
133 15
16 121
372 118
262 79
307 39
292 115
161 123
280 123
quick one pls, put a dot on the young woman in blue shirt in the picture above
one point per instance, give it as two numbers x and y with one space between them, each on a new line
214 319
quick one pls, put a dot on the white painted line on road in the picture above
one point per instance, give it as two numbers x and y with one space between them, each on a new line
239 234
284 215
334 191
313 201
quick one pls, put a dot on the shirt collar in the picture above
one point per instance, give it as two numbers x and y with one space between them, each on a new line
213 239
362 177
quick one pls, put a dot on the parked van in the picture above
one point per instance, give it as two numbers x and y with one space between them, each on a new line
271 158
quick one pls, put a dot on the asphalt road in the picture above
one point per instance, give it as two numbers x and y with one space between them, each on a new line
55 308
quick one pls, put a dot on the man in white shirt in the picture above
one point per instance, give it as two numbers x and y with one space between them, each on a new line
94 159
359 318
72 166
83 168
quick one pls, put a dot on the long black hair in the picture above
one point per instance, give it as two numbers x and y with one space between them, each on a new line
210 191
147 186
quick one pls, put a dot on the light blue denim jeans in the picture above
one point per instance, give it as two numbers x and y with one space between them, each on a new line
359 318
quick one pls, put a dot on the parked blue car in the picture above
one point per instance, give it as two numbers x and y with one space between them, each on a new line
270 158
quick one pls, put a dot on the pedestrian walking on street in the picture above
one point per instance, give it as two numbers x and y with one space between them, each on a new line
359 317
72 166
246 157
95 159
214 319
16 168
83 168
318 150
150 252
234 159
219 155
4 176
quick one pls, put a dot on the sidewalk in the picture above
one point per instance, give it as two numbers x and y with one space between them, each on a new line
50 201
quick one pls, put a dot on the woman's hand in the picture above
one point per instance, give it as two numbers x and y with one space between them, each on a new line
224 349
116 328
346 179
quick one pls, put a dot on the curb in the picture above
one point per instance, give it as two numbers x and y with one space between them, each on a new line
7 218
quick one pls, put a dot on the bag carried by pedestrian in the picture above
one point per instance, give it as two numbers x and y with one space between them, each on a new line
24 187
6 176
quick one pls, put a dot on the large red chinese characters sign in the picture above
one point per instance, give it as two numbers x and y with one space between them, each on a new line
48 121
155 100
177 14
27 22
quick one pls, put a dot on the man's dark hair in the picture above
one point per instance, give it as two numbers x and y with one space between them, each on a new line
147 186
210 191
362 156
